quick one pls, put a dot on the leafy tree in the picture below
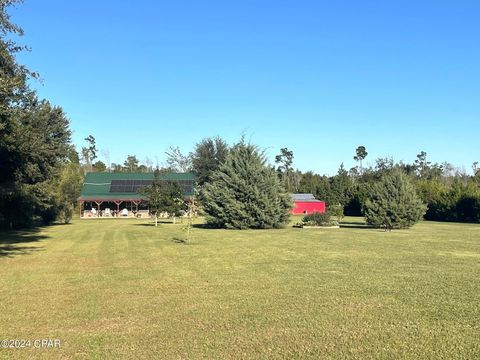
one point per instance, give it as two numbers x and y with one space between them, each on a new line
68 190
309 183
383 165
296 178
408 169
116 168
432 192
13 94
459 202
131 164
89 152
208 156
177 161
246 193
164 196
143 168
476 172
468 208
361 153
354 172
393 203
99 166
42 144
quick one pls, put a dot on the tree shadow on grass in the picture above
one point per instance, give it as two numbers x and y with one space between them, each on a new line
160 222
13 243
178 240
204 226
354 225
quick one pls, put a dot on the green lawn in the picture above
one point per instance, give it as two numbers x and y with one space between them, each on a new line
125 289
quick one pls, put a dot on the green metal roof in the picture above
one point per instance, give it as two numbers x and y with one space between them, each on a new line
96 185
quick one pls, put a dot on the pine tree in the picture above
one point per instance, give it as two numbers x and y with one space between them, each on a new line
393 203
245 193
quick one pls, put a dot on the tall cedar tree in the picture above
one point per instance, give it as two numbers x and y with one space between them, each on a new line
245 193
208 156
393 203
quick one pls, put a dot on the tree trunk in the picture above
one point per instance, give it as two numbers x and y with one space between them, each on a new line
156 220
174 220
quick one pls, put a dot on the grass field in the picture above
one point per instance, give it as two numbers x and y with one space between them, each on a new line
125 289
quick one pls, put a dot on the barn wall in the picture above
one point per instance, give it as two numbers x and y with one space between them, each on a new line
303 207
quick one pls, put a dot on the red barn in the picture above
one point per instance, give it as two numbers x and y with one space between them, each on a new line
307 204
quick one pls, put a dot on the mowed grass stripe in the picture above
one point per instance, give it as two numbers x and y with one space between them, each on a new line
124 289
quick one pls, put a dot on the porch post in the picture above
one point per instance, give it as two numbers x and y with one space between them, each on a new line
117 202
98 205
136 202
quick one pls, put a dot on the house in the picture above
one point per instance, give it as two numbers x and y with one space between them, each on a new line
307 204
117 194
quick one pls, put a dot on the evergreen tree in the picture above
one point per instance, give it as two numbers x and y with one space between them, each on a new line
341 188
246 193
208 156
393 203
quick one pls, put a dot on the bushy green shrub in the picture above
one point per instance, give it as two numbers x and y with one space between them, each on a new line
459 202
393 203
318 219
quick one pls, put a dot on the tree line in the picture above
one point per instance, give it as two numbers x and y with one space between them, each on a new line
37 158
435 191
41 172
449 193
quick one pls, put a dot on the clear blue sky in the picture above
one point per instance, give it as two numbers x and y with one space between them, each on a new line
319 77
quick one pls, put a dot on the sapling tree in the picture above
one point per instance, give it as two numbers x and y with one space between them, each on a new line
163 196
190 215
